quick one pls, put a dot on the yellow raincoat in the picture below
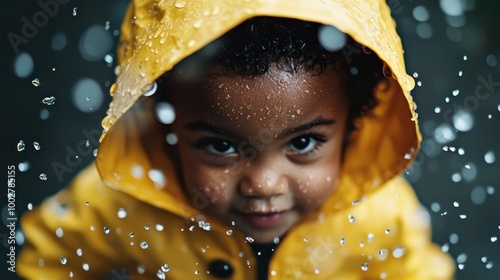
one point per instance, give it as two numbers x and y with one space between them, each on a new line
114 220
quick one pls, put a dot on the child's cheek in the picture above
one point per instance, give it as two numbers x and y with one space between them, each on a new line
211 185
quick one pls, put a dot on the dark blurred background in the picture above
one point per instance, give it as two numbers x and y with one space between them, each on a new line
452 48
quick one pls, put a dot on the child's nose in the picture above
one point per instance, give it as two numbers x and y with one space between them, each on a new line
263 182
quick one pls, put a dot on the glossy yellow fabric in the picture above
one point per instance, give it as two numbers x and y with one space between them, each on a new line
371 198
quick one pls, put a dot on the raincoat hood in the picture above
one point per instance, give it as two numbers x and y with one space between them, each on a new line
156 35
132 213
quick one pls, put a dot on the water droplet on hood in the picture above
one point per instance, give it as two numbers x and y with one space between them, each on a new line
50 100
352 219
64 260
59 232
122 213
144 245
85 266
106 230
21 146
364 267
79 252
160 274
180 4
342 241
165 268
249 239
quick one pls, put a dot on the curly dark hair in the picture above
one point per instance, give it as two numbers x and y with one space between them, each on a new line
251 47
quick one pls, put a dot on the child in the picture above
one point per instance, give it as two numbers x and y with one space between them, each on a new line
240 146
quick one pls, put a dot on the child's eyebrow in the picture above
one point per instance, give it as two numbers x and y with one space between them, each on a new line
316 122
205 126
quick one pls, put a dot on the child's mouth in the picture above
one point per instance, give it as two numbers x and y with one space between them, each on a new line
263 220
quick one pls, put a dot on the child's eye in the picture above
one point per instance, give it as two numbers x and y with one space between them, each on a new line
220 147
303 144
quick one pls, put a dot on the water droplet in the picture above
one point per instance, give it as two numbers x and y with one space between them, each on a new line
144 245
494 239
387 231
454 238
171 138
158 178
106 25
64 260
456 204
42 176
122 213
398 252
370 237
276 240
489 157
331 38
465 58
50 100
342 241
160 274
460 73
36 82
30 206
85 266
37 146
355 202
79 252
351 218
59 232
317 271
159 227
249 239
419 83
415 75
21 146
106 230
180 4
74 11
489 265
229 232
165 268
455 92
147 227
461 266
364 267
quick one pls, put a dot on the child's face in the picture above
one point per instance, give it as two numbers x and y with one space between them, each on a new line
260 152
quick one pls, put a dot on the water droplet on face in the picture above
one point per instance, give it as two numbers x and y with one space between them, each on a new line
122 213
35 82
79 252
351 218
50 100
364 267
249 239
21 146
37 146
144 245
42 176
64 260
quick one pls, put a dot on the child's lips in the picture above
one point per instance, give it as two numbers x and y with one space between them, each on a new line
263 220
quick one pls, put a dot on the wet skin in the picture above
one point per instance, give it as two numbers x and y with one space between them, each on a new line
265 150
